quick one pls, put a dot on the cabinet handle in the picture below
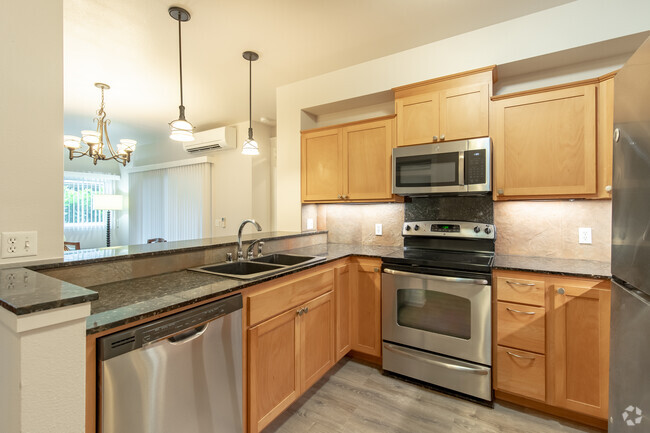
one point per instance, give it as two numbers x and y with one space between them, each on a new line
376 269
520 356
300 312
608 188
339 196
306 310
442 137
520 312
499 191
435 138
520 284
561 290
345 197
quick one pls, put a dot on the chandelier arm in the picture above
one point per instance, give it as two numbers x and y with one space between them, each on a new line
108 140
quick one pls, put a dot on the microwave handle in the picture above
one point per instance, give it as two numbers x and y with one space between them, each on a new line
461 168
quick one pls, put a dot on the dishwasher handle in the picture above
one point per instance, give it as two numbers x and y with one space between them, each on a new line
189 335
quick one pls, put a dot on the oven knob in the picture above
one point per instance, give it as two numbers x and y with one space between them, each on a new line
488 230
477 229
407 227
416 227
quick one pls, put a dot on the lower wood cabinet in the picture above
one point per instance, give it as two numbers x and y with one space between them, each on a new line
366 306
343 294
554 349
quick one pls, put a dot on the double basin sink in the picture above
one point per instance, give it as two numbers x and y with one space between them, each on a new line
260 266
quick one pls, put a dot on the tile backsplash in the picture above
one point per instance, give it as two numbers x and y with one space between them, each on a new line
450 208
550 228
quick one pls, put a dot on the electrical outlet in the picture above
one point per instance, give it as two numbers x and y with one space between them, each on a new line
18 244
584 235
310 224
220 222
378 230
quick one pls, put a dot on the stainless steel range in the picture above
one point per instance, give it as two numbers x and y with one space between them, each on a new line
436 314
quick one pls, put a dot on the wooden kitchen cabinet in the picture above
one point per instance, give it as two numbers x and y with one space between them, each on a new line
349 162
366 307
605 135
343 291
443 109
580 345
552 353
545 142
317 339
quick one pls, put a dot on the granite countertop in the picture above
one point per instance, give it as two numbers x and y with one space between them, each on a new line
23 291
552 265
130 300
95 255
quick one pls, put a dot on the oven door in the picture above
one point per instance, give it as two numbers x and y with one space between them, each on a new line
428 168
441 314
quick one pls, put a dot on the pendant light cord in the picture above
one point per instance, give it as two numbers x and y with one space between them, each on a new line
250 94
180 58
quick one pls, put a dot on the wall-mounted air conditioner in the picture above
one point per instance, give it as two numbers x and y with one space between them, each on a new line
213 139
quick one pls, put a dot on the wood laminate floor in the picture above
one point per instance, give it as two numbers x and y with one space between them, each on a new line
357 398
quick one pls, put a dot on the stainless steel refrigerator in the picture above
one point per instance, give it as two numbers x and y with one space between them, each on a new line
629 378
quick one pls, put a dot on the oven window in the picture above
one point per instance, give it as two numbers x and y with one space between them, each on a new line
435 312
440 169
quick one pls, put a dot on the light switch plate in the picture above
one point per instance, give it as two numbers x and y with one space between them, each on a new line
378 230
310 224
584 235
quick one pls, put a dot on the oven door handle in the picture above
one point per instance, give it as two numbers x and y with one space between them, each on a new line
438 277
479 371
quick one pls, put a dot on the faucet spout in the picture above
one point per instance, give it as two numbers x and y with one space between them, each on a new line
240 253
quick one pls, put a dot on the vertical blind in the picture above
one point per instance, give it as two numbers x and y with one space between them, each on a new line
171 203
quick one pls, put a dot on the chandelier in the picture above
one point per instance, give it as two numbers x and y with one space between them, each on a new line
95 139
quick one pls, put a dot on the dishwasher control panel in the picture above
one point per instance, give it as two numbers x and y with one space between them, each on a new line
125 341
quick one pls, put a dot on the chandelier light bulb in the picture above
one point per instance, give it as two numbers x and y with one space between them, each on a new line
71 141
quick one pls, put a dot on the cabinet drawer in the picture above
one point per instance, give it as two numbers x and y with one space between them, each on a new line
521 373
521 326
520 290
274 301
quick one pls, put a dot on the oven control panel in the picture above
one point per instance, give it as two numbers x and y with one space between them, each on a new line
455 229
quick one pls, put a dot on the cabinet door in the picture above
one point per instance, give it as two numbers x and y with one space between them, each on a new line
545 144
273 369
464 112
605 137
342 289
321 168
418 118
580 347
367 160
366 308
316 339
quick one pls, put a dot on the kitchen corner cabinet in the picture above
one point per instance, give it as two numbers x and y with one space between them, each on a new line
343 294
443 109
366 306
551 343
348 163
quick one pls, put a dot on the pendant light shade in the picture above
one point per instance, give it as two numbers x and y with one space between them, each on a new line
180 129
250 146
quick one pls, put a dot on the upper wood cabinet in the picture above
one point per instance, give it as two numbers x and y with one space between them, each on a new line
447 108
347 163
554 142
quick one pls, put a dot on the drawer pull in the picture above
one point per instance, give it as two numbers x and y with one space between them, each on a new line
520 356
520 312
520 284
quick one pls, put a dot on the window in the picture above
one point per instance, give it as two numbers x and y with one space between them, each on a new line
78 202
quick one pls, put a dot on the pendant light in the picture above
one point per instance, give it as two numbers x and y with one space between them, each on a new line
181 129
250 145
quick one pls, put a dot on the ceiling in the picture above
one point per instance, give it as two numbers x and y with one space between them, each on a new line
133 47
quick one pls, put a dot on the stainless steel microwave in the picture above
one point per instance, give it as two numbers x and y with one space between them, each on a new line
453 167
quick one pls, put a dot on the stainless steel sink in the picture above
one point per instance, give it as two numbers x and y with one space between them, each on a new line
259 267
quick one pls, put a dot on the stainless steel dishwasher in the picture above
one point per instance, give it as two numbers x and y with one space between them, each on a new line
182 373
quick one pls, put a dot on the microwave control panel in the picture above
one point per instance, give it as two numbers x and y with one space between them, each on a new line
475 161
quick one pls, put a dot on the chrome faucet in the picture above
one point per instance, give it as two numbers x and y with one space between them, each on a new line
249 250
240 253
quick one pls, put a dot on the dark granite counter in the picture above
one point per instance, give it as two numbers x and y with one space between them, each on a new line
130 300
552 265
23 291
95 255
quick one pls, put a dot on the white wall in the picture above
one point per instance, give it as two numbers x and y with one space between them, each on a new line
568 26
241 184
31 123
